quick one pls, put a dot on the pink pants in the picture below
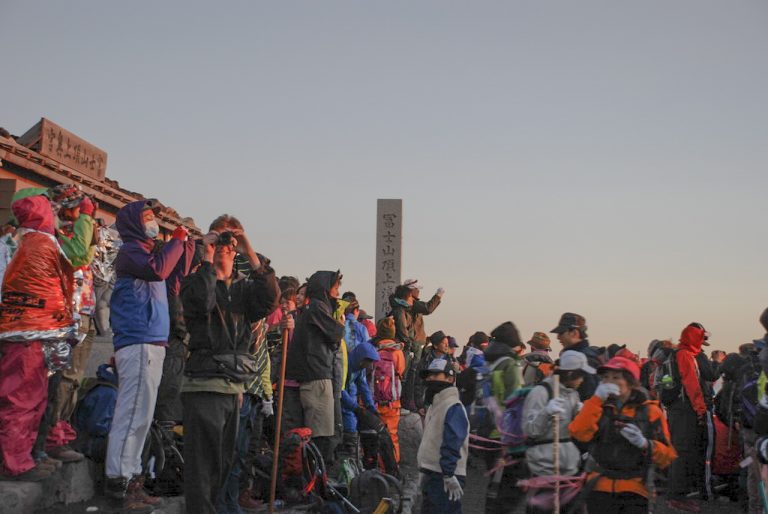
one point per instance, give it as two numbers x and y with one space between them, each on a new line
23 397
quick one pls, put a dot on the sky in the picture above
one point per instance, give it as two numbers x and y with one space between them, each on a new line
601 157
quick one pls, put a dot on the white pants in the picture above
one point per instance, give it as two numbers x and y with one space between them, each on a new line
139 370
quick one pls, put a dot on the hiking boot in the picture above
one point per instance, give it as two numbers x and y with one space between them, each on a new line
684 505
35 474
65 454
114 488
247 501
136 492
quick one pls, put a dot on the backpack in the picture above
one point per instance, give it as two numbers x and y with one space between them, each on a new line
616 457
665 379
371 487
93 414
749 396
540 365
512 434
378 449
476 389
302 469
386 383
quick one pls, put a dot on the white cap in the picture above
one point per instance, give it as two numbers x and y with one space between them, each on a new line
571 360
412 283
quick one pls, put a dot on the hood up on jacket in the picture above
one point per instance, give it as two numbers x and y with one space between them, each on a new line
362 351
35 212
496 350
319 286
692 339
130 222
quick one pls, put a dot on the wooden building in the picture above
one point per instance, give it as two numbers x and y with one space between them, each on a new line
48 155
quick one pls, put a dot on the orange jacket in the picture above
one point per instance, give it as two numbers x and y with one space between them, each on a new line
584 427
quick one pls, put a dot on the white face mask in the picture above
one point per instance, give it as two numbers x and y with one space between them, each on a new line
151 229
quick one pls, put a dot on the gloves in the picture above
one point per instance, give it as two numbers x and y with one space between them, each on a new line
266 408
579 406
180 233
440 292
634 435
452 486
605 390
555 406
87 206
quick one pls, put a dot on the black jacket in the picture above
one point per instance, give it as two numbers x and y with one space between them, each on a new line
207 300
317 335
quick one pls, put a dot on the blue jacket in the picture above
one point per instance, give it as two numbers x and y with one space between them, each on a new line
357 385
139 305
354 332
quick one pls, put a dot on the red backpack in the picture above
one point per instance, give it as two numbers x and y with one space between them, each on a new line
386 383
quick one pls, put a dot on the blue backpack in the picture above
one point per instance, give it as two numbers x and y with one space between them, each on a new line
93 416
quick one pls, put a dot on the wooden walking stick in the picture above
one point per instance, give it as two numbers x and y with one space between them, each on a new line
556 443
278 419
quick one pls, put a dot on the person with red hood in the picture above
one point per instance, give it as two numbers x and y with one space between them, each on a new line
689 419
36 307
141 323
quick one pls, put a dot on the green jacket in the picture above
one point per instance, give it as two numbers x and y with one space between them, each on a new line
77 246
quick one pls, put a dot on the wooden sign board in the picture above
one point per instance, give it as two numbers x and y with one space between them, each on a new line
61 145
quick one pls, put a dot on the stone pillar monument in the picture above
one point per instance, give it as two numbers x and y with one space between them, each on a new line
389 251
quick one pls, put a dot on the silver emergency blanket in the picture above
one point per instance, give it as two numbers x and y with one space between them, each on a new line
106 251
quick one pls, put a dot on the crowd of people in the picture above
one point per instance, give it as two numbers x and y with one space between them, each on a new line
200 327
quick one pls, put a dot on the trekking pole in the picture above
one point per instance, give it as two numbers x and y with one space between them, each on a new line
556 443
278 419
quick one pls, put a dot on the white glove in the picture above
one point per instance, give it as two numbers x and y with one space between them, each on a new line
452 486
579 406
555 406
266 408
440 292
634 435
605 390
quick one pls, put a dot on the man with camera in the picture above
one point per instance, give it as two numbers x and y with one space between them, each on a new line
219 307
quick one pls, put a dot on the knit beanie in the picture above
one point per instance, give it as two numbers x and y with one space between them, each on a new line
507 333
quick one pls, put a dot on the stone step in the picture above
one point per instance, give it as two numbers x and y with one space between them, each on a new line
73 483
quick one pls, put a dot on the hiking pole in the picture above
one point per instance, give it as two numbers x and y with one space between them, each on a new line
278 418
556 443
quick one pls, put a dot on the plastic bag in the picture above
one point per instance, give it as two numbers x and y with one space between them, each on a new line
37 292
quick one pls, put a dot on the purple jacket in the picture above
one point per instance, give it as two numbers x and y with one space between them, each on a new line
139 306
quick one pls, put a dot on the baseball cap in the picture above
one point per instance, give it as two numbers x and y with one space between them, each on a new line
437 337
452 342
571 360
364 315
412 283
439 366
621 364
570 321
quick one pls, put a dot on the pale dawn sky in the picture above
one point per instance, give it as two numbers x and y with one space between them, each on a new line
602 157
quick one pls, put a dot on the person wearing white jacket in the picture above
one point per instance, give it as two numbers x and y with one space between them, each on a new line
539 409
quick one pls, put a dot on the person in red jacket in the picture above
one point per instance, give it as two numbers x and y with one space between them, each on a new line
689 419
